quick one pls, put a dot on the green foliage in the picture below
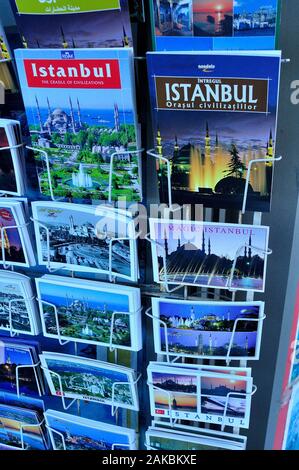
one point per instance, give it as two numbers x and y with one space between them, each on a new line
236 167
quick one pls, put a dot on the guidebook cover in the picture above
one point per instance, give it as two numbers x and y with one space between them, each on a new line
79 24
213 114
80 108
215 24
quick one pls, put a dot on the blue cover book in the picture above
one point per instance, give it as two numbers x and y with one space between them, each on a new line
204 25
213 114
80 107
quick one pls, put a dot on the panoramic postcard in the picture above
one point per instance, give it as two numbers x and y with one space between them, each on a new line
210 254
11 420
84 434
64 25
215 24
87 313
80 108
207 329
90 380
213 115
82 238
197 395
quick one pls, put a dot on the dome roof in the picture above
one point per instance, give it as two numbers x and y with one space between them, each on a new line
58 111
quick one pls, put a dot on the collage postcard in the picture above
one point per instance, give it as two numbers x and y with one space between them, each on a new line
68 432
90 380
15 355
209 394
207 330
215 119
18 311
79 116
221 256
215 25
91 239
16 246
90 312
61 25
160 436
12 172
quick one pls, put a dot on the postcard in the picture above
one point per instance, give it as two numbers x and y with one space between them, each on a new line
23 401
90 312
11 175
199 395
62 25
17 247
14 354
206 330
294 374
215 129
77 433
85 238
291 437
16 299
81 111
90 380
160 439
12 419
213 25
204 254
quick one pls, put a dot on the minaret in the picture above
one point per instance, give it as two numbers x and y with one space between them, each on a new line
79 113
39 115
203 243
159 146
246 344
72 116
209 249
176 147
217 141
49 107
72 226
199 344
211 344
126 42
249 249
116 118
64 42
245 252
228 315
270 146
73 44
207 141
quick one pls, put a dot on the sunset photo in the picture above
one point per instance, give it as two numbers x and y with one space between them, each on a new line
213 18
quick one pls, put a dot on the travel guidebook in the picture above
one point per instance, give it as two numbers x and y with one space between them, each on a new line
216 255
214 114
215 24
68 432
18 312
90 312
207 330
220 396
80 107
62 24
90 380
85 238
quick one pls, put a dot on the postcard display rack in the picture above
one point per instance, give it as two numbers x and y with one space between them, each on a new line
180 291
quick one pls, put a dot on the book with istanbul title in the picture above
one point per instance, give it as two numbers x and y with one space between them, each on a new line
214 118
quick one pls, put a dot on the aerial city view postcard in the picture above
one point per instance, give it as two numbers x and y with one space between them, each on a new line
215 117
90 312
69 432
80 107
64 25
225 256
215 24
207 330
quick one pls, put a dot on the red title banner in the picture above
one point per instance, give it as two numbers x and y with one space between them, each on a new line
77 73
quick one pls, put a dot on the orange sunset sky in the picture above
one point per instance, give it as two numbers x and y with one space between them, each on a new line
208 6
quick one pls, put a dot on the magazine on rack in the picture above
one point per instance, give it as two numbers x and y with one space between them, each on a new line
16 244
214 119
184 25
223 256
90 312
201 393
91 239
68 432
90 380
18 312
81 113
207 330
61 24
